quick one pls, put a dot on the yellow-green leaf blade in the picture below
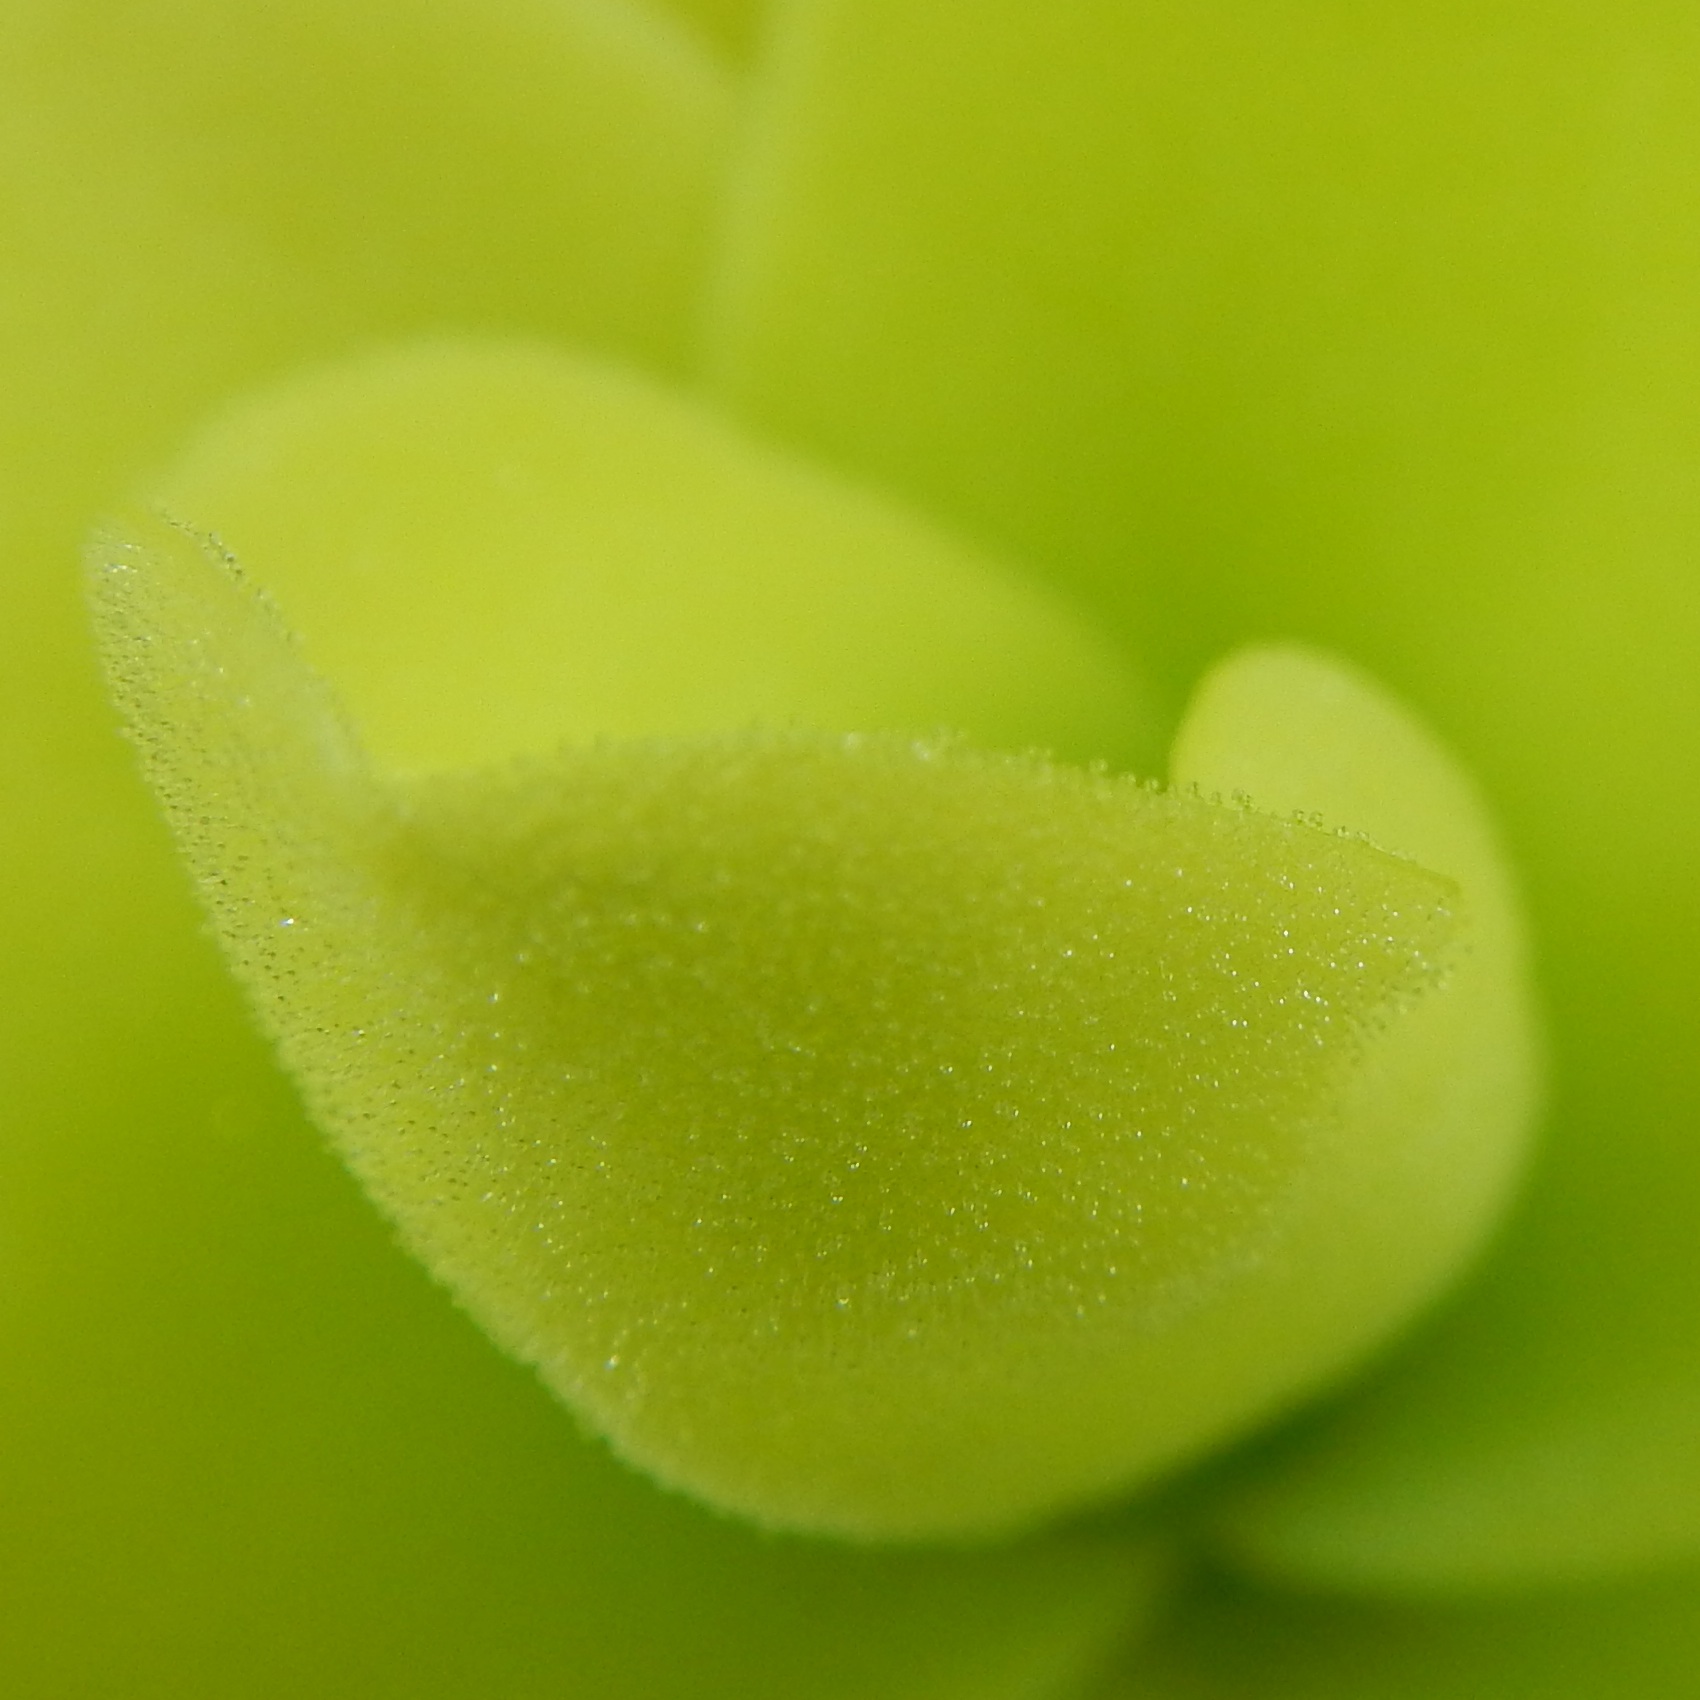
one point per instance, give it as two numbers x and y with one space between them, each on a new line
495 547
870 1135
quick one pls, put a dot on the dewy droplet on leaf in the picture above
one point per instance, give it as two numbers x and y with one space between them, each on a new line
867 1134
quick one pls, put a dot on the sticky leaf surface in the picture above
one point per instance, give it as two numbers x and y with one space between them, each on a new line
870 1135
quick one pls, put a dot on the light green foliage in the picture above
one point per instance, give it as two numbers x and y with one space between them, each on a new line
1369 326
244 1450
491 548
1373 327
1160 295
306 174
194 196
1228 1643
249 1450
871 1135
1452 1089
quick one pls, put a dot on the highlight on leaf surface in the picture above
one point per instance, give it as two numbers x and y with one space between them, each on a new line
867 1134
1299 734
493 546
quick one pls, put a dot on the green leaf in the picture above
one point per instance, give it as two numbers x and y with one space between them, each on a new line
493 547
250 1451
1370 327
871 1135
